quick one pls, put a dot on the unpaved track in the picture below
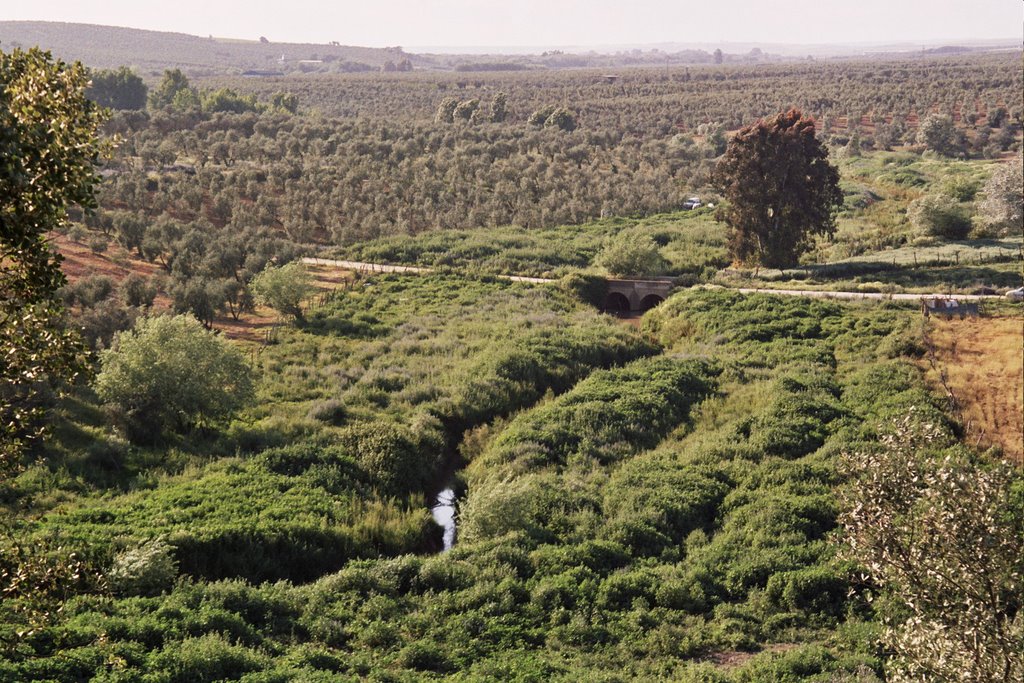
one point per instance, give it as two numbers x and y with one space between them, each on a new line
364 267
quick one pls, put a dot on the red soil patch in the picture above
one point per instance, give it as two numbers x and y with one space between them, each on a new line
116 263
80 261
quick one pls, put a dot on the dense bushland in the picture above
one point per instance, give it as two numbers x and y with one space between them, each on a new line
644 522
358 411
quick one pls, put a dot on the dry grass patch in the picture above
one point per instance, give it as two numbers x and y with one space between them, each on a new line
982 362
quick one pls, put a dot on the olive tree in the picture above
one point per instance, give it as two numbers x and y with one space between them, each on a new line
780 189
1001 210
283 288
49 147
938 133
170 374
632 254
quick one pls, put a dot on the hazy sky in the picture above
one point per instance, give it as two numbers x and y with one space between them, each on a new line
548 22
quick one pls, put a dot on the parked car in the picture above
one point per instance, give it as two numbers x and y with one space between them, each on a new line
1016 294
692 203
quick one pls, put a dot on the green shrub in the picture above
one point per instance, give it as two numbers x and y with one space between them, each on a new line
170 374
331 411
147 569
814 589
590 289
941 216
205 659
423 656
632 254
391 458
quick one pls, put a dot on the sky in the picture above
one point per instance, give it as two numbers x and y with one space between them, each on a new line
415 23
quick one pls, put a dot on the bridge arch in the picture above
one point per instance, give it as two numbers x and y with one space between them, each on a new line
617 302
650 301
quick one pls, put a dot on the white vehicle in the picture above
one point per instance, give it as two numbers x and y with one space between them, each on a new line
1015 294
692 203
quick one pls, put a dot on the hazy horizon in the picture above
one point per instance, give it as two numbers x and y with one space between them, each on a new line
530 24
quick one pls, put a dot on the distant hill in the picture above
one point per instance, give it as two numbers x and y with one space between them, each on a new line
150 52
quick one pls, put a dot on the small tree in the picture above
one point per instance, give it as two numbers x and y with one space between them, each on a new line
170 374
283 288
121 89
465 110
226 99
940 215
285 101
938 133
540 116
174 90
632 254
563 119
446 110
780 190
1002 208
499 107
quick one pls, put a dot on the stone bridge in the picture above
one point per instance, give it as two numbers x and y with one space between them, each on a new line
630 296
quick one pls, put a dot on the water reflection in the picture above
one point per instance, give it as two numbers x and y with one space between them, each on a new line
444 514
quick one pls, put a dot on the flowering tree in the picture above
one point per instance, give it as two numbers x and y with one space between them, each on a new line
945 535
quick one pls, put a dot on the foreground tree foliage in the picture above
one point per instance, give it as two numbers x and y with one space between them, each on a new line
169 374
781 190
945 536
48 144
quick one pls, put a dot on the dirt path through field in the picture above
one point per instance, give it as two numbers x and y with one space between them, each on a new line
983 363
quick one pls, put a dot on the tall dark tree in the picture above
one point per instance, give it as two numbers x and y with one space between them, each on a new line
780 189
48 143
120 89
